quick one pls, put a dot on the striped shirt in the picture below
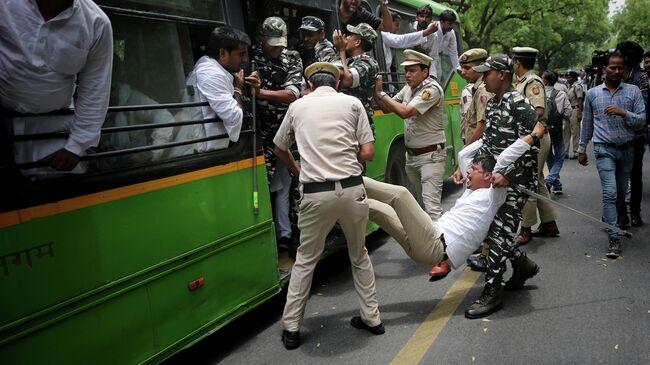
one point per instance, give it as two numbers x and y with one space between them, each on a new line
611 128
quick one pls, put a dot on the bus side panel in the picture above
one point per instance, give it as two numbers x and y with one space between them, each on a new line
453 124
386 127
115 332
104 251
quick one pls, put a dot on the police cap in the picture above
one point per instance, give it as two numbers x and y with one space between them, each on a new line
312 24
326 67
364 31
524 52
412 57
473 55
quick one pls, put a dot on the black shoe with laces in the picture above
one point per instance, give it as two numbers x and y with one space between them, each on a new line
488 303
614 249
523 269
636 220
291 339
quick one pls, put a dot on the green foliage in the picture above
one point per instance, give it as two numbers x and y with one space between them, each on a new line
632 24
564 32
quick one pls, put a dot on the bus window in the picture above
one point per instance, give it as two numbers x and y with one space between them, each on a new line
199 9
445 67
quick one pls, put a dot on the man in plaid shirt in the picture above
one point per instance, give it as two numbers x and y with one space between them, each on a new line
612 112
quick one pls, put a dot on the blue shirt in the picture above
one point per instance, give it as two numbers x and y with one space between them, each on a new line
611 128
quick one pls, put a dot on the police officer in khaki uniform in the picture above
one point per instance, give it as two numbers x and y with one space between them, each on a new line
532 87
334 138
474 121
475 117
572 129
420 104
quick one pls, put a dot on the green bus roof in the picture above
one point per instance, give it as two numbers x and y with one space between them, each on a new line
437 8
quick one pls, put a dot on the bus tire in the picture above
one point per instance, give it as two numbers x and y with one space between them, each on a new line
395 171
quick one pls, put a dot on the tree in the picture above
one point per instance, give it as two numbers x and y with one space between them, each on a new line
564 32
631 23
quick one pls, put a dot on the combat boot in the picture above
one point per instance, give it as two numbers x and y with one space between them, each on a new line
488 303
523 269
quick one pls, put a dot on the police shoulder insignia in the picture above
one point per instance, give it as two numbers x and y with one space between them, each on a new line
426 94
535 89
484 99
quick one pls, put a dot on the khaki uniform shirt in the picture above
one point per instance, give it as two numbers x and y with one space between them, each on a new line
532 87
575 93
476 112
329 128
427 126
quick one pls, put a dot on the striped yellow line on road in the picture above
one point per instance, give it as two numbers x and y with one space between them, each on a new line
426 334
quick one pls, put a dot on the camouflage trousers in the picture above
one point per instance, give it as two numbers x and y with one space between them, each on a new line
501 236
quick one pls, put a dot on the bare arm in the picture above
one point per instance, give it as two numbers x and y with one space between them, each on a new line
366 152
389 105
386 18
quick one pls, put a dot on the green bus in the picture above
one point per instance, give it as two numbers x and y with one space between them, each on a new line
158 244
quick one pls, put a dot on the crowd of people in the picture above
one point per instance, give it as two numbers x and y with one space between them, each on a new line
320 98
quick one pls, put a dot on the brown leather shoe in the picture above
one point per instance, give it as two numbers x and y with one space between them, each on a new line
438 272
524 236
548 229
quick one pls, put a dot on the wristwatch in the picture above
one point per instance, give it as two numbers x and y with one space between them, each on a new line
534 136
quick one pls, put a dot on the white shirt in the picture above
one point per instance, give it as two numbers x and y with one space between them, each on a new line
443 43
400 41
39 64
215 85
466 225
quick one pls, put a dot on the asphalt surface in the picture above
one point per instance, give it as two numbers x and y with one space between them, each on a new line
582 308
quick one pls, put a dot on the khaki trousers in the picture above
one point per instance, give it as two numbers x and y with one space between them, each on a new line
425 173
397 212
572 130
546 210
318 214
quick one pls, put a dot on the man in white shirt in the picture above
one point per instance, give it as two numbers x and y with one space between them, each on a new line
391 40
445 43
46 47
458 232
218 78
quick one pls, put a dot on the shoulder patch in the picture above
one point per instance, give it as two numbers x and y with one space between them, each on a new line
535 89
426 94
484 99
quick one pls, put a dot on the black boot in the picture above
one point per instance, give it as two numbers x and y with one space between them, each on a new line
477 263
523 269
488 303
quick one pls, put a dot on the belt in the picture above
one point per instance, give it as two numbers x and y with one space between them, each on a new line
618 146
444 244
421 150
318 187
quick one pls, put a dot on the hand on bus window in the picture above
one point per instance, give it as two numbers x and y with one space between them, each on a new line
338 39
238 80
63 160
379 83
458 177
254 81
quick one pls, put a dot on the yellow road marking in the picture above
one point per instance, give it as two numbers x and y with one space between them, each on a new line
426 334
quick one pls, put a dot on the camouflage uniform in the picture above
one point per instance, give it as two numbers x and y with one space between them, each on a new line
507 120
284 73
322 51
364 69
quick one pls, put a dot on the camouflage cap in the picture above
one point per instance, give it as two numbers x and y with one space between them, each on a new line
473 55
275 31
498 62
312 24
412 57
364 31
318 67
524 52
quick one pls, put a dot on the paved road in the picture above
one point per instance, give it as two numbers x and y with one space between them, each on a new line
581 309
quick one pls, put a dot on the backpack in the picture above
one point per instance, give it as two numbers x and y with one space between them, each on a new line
554 121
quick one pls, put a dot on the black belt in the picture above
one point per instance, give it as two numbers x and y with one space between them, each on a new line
618 146
318 187
444 244
421 150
